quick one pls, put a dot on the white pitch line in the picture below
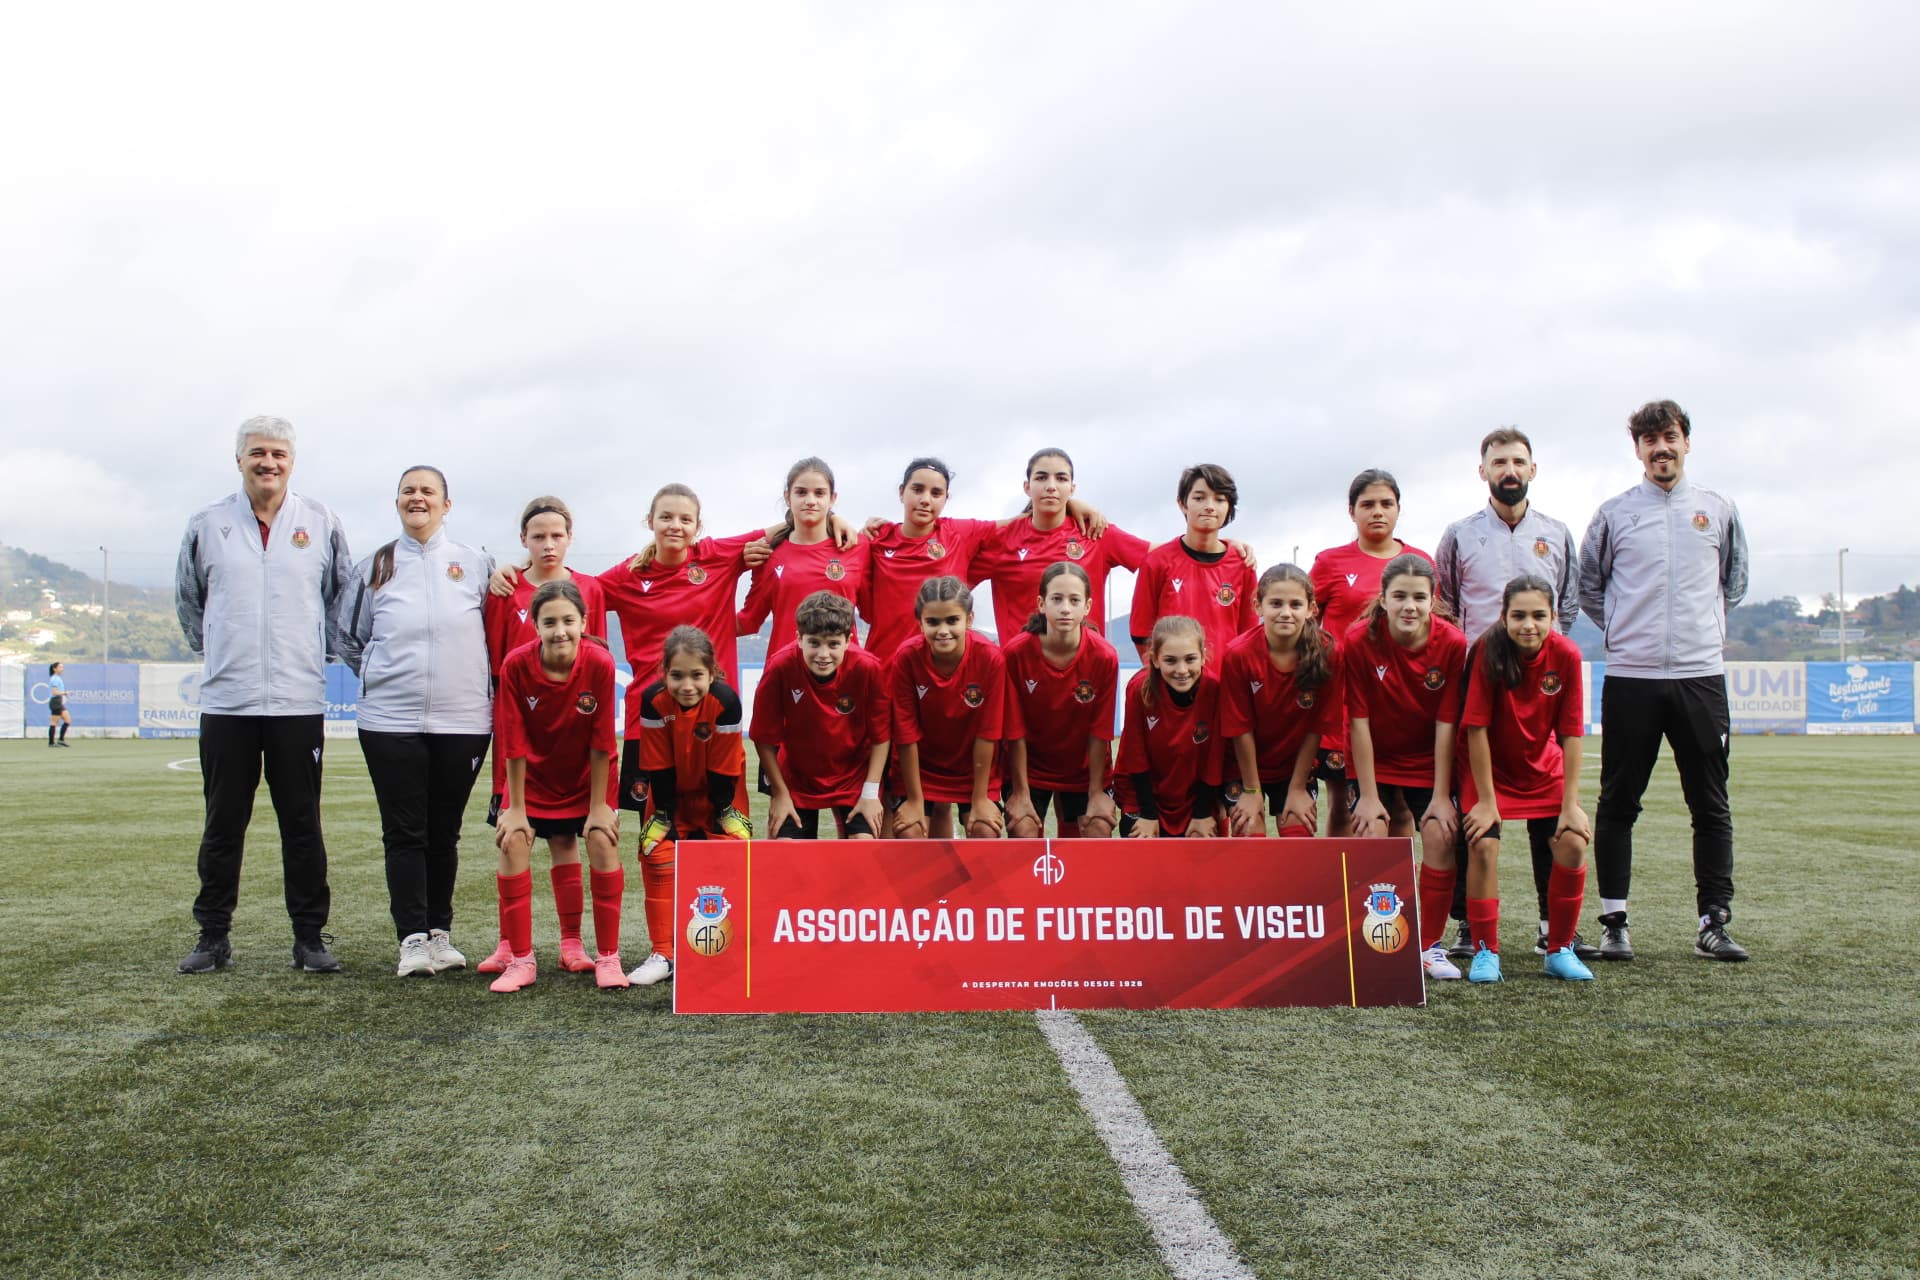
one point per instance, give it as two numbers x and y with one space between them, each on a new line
192 760
1191 1242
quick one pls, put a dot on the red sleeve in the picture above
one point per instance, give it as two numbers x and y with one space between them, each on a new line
769 710
1354 663
1476 711
993 716
1573 719
1124 549
496 615
656 739
759 600
1213 754
1145 610
733 550
1332 700
1106 684
513 726
605 734
595 599
727 751
1014 723
1236 698
906 707
1323 579
1455 665
1133 737
879 705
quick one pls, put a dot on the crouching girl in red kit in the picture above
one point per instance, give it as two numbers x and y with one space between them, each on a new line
1279 696
692 760
949 691
1170 742
1061 680
1524 721
556 726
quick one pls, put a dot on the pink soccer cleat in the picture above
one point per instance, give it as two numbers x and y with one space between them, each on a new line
573 957
608 973
518 976
497 962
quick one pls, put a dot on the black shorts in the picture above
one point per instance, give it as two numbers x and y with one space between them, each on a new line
807 825
1129 821
633 781
965 811
1275 793
548 828
1330 766
1416 798
1540 833
56 705
1073 804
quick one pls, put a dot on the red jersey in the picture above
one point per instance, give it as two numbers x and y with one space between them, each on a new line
1060 710
1179 746
834 723
1015 557
1257 697
1345 581
793 573
946 714
1403 695
555 726
509 625
897 565
1218 594
1524 726
693 744
699 593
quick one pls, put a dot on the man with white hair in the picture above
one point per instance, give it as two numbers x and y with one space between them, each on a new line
257 579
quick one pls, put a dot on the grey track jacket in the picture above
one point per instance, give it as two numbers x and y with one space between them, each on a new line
1479 555
418 642
260 615
1658 572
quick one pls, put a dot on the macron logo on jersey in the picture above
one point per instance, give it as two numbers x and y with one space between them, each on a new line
888 553
1022 553
646 585
1352 578
1032 685
1176 586
1380 673
523 615
779 571
1152 721
921 690
1256 684
533 700
795 693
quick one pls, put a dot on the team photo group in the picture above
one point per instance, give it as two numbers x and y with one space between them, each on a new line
1379 691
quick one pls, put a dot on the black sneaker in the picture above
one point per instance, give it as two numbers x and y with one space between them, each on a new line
311 954
210 953
1581 947
1713 942
1462 948
1614 942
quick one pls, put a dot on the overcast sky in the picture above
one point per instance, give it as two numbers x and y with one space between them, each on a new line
588 251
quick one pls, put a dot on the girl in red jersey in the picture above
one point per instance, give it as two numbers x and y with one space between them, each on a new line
948 687
1062 677
1345 580
1524 722
1279 695
924 544
806 557
1197 574
1013 559
829 699
692 761
556 736
546 531
1404 669
1170 743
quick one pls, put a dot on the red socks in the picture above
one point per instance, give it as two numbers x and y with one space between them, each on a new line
608 888
566 898
1436 896
1566 894
656 876
1483 918
516 911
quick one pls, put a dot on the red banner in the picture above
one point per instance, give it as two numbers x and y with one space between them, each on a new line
869 926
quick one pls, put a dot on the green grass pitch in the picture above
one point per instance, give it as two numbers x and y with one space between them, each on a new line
1674 1118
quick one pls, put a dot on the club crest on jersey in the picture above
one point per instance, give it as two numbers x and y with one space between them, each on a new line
1084 691
1074 549
637 790
935 550
696 575
1304 699
1434 678
586 704
973 695
301 540
844 704
1235 790
1550 683
1541 549
703 731
455 572
1336 759
1225 594
1383 928
835 571
1201 732
1700 521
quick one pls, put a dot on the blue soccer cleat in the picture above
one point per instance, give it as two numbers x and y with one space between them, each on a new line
1566 965
1485 966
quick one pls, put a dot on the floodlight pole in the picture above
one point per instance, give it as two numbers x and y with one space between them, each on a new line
106 610
1842 604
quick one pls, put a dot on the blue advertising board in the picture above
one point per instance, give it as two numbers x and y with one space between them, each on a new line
99 697
1860 697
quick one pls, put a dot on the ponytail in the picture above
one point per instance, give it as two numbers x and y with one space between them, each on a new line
382 566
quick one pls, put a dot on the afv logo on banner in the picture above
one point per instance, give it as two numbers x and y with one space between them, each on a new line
862 926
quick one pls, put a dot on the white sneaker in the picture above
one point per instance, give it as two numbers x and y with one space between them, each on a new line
414 960
1439 968
442 952
655 968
